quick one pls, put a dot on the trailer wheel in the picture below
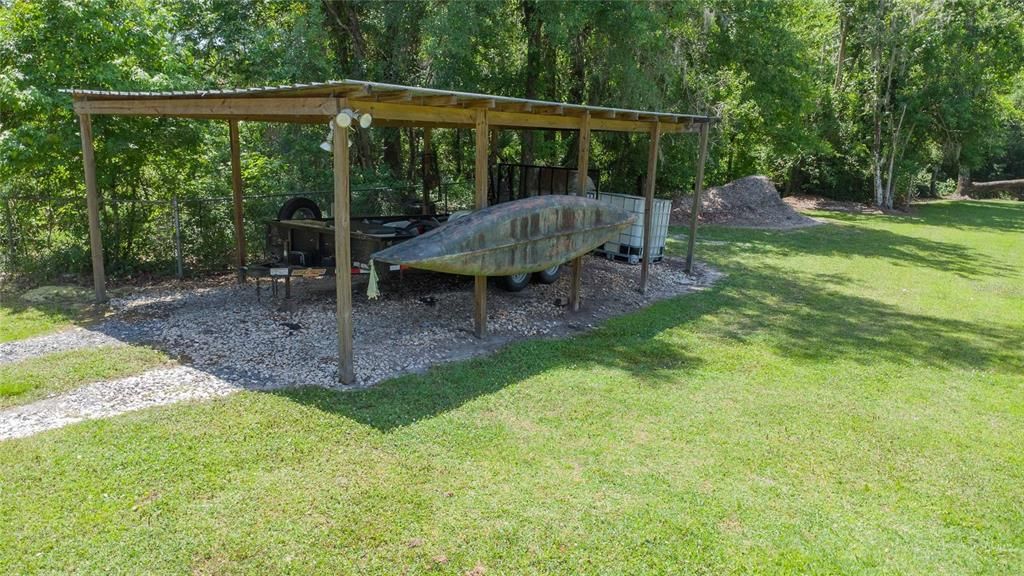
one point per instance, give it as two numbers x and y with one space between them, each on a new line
299 208
515 282
548 276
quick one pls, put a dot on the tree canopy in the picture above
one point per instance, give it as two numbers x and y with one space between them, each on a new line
874 100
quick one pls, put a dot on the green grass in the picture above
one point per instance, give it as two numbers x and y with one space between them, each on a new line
848 400
34 378
19 320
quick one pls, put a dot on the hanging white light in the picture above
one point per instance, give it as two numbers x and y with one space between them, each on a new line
328 144
344 118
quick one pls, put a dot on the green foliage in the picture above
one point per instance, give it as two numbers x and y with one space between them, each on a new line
799 86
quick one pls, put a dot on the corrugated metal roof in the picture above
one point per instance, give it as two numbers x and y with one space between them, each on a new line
375 90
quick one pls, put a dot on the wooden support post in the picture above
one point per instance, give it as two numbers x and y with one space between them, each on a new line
480 174
92 199
427 154
236 190
698 189
582 167
652 172
343 254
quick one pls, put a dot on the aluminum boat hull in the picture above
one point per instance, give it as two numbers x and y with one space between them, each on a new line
527 235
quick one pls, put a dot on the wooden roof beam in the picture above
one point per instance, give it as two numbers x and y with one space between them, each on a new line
556 109
320 109
364 91
402 97
415 124
450 100
486 103
515 106
425 115
212 107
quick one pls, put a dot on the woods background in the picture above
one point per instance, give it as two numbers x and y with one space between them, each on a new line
873 100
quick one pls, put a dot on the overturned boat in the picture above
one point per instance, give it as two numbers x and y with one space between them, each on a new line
527 235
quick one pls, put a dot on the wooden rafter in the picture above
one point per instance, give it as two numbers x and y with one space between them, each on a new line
549 109
401 97
436 100
486 103
515 107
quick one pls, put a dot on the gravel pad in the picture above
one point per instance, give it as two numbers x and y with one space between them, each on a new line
420 320
229 339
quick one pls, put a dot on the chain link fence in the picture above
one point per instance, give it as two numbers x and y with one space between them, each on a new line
47 237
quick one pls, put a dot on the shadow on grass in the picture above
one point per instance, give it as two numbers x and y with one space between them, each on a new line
798 316
843 241
20 319
406 400
1006 216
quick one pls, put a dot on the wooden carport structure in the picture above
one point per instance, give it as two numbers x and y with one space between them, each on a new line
391 106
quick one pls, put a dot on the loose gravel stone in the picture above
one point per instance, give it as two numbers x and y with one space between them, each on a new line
421 320
231 340
104 399
71 339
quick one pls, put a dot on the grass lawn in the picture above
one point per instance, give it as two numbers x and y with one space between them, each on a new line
848 400
19 320
35 378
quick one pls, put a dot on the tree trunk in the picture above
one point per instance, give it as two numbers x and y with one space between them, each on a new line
876 141
577 90
793 182
531 22
411 170
393 151
730 158
963 181
343 23
458 153
1016 186
841 56
879 192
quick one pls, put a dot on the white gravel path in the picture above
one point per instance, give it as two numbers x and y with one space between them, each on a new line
104 399
71 339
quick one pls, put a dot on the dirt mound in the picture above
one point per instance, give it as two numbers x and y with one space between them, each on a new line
751 202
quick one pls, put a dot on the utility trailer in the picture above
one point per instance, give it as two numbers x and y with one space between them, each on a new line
300 242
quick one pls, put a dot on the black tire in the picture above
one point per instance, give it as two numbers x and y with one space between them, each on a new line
548 276
299 208
516 282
